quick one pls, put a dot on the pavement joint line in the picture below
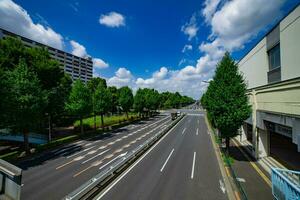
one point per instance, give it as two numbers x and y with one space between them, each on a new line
262 175
162 168
91 158
193 166
138 161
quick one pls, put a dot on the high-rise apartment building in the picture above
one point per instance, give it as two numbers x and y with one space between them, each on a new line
76 67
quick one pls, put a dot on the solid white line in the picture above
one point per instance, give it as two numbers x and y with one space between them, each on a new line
197 131
193 167
183 131
137 162
99 154
166 160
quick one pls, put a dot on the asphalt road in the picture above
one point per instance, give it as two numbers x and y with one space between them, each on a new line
55 174
182 165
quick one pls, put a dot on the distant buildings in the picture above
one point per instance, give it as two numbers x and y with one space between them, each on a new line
76 67
272 72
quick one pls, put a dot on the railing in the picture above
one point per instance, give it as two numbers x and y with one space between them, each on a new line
285 184
32 137
90 187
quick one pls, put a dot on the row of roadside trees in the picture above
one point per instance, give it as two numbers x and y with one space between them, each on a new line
33 87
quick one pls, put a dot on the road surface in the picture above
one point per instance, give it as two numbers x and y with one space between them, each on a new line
55 174
182 165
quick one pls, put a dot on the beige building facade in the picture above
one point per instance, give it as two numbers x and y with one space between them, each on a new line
272 73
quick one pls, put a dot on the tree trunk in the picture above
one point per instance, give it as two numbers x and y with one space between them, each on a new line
227 142
102 121
50 128
81 126
95 126
26 141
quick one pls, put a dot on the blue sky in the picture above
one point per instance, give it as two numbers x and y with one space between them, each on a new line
140 43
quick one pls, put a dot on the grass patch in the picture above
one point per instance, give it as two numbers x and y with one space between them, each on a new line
108 120
228 160
10 155
57 142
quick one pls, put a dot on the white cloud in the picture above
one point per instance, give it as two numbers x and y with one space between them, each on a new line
210 7
233 23
99 63
15 19
190 28
122 77
187 47
78 49
240 20
112 19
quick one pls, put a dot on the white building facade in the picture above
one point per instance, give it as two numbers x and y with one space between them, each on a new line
272 73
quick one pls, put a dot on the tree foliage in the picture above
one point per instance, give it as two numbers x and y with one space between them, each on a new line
80 101
225 99
125 99
27 100
103 100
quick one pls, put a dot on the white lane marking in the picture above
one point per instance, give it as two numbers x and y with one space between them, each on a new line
198 121
183 131
222 187
242 180
137 162
166 160
119 156
88 144
66 149
99 154
193 166
102 147
197 131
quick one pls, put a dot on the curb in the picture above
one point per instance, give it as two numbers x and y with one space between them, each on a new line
229 185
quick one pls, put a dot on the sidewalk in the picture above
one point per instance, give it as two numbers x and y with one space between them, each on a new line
254 180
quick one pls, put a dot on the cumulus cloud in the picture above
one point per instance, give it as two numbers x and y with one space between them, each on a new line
190 28
233 24
78 49
239 20
15 19
122 77
210 7
99 63
112 19
186 48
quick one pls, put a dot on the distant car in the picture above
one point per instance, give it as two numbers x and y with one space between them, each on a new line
173 115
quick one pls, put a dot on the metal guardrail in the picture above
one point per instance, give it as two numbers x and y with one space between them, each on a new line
285 184
123 159
10 181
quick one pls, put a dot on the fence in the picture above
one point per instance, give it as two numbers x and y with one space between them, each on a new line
285 184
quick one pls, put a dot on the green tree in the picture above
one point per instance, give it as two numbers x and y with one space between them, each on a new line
79 102
103 100
115 98
125 99
139 101
27 100
49 72
93 84
226 100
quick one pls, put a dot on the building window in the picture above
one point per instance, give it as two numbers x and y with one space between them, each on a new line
274 74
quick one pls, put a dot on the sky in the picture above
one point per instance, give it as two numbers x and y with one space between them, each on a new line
169 45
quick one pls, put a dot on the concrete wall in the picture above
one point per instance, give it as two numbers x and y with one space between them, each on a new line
254 66
290 45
